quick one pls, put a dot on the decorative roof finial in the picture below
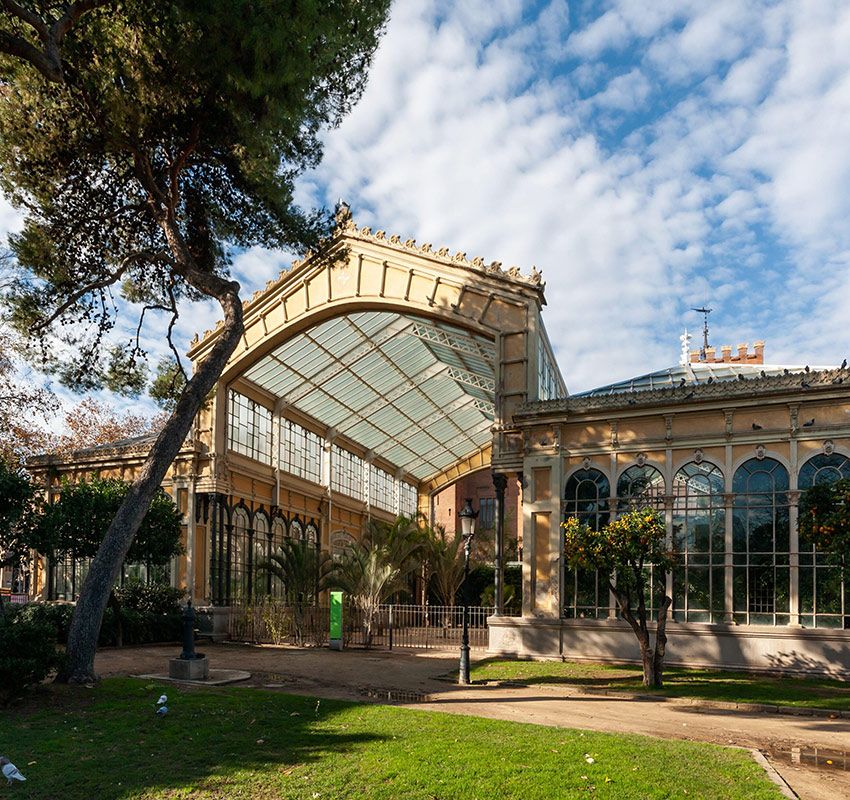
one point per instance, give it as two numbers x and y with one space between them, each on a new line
705 311
685 357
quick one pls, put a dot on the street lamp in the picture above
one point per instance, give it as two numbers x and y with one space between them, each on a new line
467 526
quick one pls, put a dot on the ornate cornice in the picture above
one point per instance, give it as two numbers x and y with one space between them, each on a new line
759 386
346 228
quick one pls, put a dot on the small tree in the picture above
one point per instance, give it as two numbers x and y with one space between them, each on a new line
17 498
824 519
623 551
77 522
304 572
368 575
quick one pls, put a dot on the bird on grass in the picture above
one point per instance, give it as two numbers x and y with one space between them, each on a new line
10 771
162 700
162 711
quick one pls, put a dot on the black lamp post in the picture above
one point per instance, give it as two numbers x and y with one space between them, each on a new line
467 525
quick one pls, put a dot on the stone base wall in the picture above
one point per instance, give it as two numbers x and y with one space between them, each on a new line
212 621
737 647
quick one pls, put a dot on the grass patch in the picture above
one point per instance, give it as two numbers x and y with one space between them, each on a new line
703 684
249 743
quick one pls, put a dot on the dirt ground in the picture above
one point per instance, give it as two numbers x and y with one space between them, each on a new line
413 678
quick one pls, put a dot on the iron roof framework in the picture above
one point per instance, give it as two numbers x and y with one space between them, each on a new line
416 392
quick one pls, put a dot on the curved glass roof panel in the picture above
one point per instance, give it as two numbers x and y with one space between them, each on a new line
691 374
417 392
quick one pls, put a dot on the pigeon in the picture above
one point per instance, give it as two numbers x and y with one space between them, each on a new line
809 423
162 711
756 426
844 364
162 700
10 771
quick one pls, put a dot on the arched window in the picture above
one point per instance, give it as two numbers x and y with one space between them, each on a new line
311 534
279 532
699 534
586 497
823 589
238 550
340 542
823 468
296 530
640 487
760 559
261 578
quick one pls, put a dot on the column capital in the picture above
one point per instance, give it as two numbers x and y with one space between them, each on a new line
500 481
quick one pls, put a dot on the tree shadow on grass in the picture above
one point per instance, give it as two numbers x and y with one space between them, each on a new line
210 743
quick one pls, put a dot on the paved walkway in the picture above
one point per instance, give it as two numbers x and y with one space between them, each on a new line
356 674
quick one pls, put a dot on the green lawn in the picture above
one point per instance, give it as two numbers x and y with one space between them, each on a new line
106 743
703 684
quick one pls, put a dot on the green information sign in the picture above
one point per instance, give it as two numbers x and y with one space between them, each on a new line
336 620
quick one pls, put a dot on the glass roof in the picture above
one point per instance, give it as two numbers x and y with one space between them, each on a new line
419 393
690 374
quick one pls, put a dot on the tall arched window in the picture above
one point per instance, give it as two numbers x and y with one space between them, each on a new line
296 530
699 530
239 547
640 487
311 534
278 534
586 497
823 588
760 558
261 578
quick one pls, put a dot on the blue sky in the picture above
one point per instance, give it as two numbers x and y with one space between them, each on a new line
647 156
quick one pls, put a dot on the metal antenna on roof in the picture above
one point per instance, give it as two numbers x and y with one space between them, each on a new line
705 312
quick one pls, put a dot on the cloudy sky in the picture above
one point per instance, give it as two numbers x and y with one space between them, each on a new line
647 156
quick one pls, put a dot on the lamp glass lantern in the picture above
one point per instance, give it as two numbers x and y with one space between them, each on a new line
468 517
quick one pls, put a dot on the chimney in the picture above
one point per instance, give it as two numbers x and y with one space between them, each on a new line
759 356
742 352
726 353
710 355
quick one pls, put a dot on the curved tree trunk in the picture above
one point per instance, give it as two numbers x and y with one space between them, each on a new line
88 614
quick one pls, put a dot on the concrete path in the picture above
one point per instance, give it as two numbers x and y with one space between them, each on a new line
409 676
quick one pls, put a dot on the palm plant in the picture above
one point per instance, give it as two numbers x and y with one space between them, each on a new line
404 542
303 571
445 564
368 575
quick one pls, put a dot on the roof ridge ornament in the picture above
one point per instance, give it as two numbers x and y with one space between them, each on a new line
685 352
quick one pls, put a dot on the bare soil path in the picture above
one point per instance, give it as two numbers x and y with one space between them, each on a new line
413 676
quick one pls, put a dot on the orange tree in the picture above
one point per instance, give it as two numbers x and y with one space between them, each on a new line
824 519
627 551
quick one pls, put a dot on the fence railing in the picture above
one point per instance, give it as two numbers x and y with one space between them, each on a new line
422 627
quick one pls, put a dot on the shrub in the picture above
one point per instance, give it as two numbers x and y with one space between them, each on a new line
57 616
155 598
28 654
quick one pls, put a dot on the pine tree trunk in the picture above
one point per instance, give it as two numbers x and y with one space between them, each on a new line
88 614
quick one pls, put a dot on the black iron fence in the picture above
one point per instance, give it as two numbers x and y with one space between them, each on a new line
422 627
